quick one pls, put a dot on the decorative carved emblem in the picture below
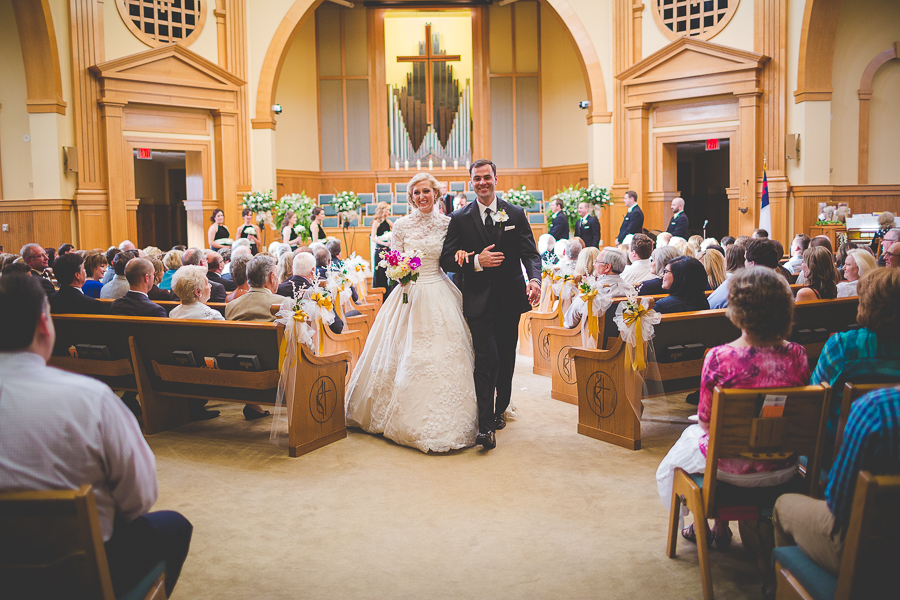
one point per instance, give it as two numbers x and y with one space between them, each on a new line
545 345
565 366
601 394
323 399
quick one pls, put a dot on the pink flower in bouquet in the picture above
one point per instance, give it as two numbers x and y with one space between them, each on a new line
415 262
392 258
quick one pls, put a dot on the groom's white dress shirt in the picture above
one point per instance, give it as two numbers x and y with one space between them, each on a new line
60 430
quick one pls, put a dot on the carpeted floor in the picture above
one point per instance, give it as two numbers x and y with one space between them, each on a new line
548 514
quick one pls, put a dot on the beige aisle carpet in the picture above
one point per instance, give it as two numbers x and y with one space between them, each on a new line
548 514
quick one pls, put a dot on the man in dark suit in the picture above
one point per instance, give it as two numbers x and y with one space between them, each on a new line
587 227
497 241
36 257
678 226
214 266
135 303
634 219
559 222
446 197
70 275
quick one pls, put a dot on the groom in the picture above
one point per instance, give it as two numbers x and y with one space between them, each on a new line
497 240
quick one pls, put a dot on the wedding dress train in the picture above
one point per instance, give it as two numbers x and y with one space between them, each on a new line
413 381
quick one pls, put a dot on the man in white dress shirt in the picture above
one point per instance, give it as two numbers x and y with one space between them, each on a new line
640 251
59 431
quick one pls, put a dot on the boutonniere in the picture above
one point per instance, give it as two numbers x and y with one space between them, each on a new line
500 217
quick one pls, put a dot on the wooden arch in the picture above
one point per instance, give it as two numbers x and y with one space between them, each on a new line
303 9
865 94
820 20
43 80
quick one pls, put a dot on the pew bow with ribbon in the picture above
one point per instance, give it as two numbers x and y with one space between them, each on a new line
636 320
298 332
320 309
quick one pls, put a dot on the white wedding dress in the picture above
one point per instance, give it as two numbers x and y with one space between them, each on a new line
413 382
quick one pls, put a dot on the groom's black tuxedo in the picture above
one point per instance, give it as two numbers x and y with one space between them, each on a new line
493 298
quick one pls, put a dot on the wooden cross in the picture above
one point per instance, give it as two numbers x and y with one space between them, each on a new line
429 59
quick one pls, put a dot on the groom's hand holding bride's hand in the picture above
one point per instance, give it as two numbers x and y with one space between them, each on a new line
534 292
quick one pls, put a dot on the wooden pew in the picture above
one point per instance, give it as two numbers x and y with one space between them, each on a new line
141 351
526 347
678 370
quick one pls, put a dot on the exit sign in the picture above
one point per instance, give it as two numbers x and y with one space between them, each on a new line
712 144
147 154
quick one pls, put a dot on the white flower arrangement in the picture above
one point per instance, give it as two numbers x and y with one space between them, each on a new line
302 206
519 197
262 204
596 195
500 216
346 204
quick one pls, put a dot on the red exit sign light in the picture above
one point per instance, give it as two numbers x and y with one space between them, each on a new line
712 144
147 154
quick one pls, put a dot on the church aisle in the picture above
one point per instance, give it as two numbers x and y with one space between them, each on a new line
547 514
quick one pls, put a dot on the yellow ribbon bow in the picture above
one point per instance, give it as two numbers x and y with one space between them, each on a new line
633 317
593 321
301 317
362 281
324 303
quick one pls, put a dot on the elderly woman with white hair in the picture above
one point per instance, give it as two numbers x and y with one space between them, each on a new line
858 263
545 247
192 286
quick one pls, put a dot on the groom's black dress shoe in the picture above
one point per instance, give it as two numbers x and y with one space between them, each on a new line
486 439
500 421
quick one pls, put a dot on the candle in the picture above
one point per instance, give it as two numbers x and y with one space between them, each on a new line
418 165
444 163
467 164
430 164
455 163
397 165
406 165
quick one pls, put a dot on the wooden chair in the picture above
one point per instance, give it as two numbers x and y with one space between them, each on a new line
871 550
736 431
52 547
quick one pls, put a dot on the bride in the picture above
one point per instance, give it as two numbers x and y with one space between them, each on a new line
413 381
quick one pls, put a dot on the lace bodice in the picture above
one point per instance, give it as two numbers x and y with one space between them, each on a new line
425 233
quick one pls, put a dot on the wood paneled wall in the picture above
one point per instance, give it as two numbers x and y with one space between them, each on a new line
860 198
47 222
548 179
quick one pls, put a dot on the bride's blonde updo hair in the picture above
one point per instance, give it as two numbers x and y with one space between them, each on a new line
417 178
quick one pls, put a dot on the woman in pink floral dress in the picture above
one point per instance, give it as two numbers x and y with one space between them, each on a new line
760 303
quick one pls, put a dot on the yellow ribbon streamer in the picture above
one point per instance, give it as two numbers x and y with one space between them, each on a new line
362 281
324 303
630 318
566 279
301 317
337 305
593 320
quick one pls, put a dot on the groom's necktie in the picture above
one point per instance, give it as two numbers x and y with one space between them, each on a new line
488 222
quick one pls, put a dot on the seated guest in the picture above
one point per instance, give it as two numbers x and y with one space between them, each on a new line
284 268
890 249
779 250
760 253
7 259
759 234
573 248
885 223
545 247
840 258
304 277
125 246
685 279
195 256
95 266
870 353
256 304
820 273
334 247
586 261
37 260
460 201
225 253
239 277
140 275
728 240
798 246
607 269
172 262
818 527
192 286
714 263
59 431
118 286
214 266
658 261
159 270
323 262
760 304
695 242
640 250
663 239
858 263
70 299
734 259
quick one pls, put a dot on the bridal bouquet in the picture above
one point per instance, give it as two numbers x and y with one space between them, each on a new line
402 268
384 239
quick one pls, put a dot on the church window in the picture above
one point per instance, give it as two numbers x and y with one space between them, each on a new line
162 22
701 19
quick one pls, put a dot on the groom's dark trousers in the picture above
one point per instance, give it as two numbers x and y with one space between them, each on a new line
493 298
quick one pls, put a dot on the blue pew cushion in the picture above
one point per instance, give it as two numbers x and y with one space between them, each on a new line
819 583
143 586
